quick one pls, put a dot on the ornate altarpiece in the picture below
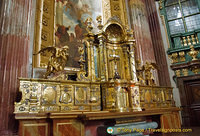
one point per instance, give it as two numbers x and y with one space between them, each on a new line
108 83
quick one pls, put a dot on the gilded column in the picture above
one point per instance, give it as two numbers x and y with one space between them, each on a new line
132 63
126 64
93 77
131 42
105 58
101 59
89 58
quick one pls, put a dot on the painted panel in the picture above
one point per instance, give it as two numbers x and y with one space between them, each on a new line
71 24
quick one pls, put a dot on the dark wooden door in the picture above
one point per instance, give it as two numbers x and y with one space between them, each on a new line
192 90
189 88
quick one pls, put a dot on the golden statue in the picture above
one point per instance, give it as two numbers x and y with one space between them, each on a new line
139 70
58 59
144 73
148 74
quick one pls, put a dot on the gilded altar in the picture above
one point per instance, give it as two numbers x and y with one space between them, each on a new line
110 87
109 79
43 96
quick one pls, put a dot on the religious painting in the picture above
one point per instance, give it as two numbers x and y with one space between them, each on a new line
70 24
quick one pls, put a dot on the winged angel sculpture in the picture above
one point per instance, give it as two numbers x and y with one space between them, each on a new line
145 75
58 59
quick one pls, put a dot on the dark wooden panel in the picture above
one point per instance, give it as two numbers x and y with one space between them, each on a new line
193 100
189 88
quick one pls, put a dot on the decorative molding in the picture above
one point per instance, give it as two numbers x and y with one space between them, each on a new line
115 8
44 30
193 66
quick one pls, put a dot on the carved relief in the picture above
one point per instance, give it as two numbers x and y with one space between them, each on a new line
45 21
44 36
106 10
46 8
116 7
54 96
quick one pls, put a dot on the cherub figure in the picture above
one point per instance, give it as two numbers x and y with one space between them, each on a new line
58 59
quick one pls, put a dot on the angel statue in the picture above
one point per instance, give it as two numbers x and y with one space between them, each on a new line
148 74
58 59
144 73
140 70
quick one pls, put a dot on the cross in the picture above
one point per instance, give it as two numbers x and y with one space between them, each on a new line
115 58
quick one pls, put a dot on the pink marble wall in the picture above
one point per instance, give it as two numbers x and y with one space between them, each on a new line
149 43
160 54
14 56
140 25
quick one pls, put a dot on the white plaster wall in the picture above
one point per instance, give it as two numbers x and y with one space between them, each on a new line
171 73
